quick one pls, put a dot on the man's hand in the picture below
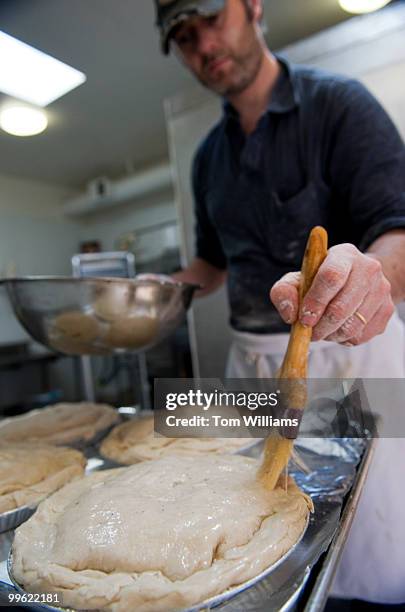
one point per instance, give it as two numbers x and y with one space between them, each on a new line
202 273
349 301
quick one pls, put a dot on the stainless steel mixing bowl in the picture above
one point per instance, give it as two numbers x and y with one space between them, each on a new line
81 316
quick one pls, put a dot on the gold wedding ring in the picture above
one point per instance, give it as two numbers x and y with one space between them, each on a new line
360 316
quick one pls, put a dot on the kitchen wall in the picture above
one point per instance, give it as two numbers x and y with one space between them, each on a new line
31 220
35 237
108 225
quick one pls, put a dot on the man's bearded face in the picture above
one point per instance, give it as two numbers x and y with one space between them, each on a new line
222 51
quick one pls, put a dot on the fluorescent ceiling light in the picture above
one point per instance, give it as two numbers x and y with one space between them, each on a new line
34 76
362 6
23 121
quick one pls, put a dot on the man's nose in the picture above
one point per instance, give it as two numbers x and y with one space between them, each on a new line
207 42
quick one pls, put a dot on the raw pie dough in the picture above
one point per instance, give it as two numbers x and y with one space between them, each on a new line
158 536
132 332
74 332
135 441
126 328
29 472
59 424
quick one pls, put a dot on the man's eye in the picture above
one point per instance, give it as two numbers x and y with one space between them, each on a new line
185 38
212 19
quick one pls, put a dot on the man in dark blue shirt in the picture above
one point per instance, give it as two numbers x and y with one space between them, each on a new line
310 160
297 148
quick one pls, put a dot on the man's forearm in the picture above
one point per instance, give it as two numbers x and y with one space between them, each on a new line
389 249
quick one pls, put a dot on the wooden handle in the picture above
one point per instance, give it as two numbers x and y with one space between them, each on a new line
277 448
295 360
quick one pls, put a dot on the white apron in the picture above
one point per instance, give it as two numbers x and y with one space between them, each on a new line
372 566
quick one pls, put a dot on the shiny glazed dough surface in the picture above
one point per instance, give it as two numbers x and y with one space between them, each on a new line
157 536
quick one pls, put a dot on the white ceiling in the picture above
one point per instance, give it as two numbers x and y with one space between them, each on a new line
116 119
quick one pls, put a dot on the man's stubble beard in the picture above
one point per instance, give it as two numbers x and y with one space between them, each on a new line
246 68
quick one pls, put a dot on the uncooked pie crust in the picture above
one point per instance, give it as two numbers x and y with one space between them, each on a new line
30 472
59 424
157 536
135 441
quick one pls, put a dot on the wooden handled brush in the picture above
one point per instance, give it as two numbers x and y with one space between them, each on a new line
293 370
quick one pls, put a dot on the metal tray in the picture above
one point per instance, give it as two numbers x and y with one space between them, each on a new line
316 600
287 583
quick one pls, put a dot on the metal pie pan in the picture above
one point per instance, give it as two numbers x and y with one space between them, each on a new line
213 602
12 518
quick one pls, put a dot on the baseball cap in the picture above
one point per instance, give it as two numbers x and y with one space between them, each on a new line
169 13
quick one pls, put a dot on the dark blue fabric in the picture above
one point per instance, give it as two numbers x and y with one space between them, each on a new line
325 152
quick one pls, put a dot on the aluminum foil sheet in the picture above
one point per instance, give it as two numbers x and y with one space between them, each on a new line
332 467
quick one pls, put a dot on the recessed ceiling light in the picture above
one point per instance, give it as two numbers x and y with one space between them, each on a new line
362 6
31 75
23 121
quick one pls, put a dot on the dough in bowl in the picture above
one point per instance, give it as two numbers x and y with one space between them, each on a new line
30 472
135 441
59 423
158 536
132 332
74 332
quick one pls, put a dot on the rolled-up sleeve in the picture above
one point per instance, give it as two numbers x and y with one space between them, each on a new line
367 165
208 245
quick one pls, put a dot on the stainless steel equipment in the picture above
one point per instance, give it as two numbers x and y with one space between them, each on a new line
95 316
116 264
119 264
